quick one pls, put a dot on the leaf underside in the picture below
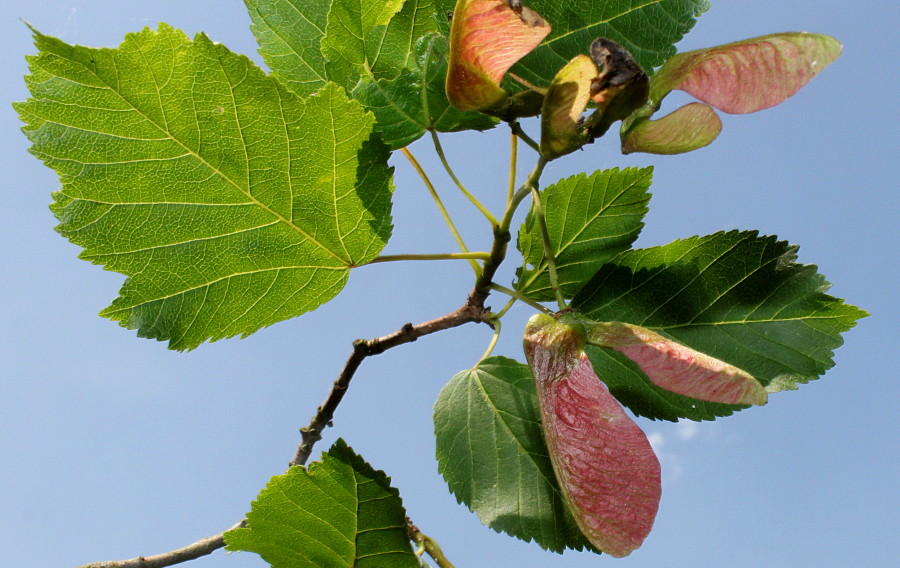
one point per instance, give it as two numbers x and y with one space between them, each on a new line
340 512
735 296
228 201
492 453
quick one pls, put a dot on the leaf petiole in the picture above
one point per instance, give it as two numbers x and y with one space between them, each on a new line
440 205
436 256
549 255
440 152
520 297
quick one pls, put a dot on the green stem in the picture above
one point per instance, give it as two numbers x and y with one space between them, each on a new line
440 152
522 298
549 255
490 348
517 130
502 237
441 208
437 256
513 163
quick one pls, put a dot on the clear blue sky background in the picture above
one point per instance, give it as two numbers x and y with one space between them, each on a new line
113 446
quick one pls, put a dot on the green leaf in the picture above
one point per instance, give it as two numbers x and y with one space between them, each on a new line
492 453
590 219
649 30
289 33
735 296
308 43
406 107
229 202
339 512
353 37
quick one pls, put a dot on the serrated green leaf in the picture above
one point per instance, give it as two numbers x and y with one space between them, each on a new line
649 30
492 453
289 33
590 219
354 35
406 107
229 202
338 512
735 296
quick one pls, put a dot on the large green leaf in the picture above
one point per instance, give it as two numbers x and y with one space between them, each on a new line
590 219
492 453
229 202
289 33
339 512
406 107
735 296
648 29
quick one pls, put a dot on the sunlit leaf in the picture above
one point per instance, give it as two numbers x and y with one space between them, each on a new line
688 128
749 75
228 201
408 106
340 512
590 219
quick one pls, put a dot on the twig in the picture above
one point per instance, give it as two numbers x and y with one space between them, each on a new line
191 552
362 348
430 546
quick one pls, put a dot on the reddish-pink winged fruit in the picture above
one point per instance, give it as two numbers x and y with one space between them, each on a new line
750 75
678 368
606 469
690 127
486 38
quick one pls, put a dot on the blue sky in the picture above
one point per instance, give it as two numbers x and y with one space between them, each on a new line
115 447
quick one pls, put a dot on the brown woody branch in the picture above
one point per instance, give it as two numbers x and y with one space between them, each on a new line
473 310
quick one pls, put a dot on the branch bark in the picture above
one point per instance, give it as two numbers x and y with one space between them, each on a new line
471 311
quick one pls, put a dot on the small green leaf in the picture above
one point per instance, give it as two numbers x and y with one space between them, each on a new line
750 75
688 128
339 512
649 30
590 219
735 296
308 43
353 37
491 452
228 201
406 107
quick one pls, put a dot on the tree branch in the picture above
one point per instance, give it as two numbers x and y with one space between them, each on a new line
362 348
191 552
428 544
